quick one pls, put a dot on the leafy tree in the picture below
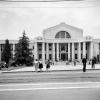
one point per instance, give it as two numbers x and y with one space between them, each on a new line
22 51
6 54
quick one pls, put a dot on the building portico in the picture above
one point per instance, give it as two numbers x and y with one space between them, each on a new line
63 51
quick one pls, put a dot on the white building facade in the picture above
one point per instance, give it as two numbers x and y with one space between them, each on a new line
61 43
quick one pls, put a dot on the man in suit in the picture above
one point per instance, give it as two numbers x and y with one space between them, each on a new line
84 61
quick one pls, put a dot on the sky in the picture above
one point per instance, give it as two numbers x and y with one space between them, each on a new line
34 17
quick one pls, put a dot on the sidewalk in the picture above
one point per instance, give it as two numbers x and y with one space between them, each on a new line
56 68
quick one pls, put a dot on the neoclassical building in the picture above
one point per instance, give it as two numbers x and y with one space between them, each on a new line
61 43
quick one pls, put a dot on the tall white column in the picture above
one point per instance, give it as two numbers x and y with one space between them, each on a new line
68 51
13 50
84 49
0 52
43 52
58 51
91 50
35 51
73 53
47 51
79 51
53 52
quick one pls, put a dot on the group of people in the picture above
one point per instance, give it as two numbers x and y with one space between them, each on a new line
39 65
84 61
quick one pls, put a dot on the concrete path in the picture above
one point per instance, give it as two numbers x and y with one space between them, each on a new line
57 68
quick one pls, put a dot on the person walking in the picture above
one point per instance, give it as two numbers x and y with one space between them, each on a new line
40 65
48 65
84 61
74 63
36 65
93 62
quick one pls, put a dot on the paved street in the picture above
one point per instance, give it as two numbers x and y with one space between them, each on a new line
51 91
51 85
59 76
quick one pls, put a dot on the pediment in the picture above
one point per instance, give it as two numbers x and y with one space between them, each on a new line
74 32
63 25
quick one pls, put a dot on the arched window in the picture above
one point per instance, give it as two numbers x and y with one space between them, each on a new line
62 34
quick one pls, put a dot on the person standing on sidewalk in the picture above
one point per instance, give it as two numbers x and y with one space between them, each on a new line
74 62
36 65
48 65
93 62
84 61
40 65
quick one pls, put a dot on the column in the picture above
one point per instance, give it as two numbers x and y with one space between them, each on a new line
73 52
0 52
13 50
58 51
35 51
91 50
43 52
47 51
53 52
68 51
79 51
84 49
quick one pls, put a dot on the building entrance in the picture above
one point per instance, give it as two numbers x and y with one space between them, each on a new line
64 56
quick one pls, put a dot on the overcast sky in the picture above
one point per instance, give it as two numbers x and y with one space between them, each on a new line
34 17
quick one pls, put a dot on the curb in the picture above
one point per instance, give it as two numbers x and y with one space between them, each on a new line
45 71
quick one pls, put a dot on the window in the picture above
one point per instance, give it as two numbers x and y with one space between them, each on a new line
75 46
75 56
39 47
50 47
81 46
81 56
50 56
40 56
62 34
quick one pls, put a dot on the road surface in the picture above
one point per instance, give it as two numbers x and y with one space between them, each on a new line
62 76
51 91
63 85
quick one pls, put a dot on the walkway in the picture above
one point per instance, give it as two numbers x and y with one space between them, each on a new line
56 68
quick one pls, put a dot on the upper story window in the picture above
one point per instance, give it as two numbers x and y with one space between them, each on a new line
62 34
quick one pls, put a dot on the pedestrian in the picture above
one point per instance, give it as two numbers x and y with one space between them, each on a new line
48 65
93 62
74 63
89 61
84 61
36 65
40 65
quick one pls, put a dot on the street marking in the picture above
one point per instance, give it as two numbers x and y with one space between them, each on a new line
21 84
51 88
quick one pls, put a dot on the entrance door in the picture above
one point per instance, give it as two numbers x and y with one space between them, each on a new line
63 57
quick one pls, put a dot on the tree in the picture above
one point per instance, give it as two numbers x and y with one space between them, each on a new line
22 51
6 54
